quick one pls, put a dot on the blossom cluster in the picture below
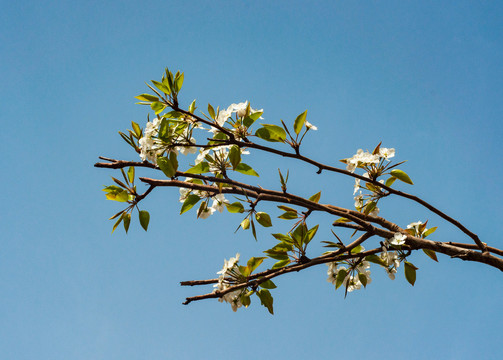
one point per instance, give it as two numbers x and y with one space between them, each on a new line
353 279
228 277
151 146
239 109
219 201
365 159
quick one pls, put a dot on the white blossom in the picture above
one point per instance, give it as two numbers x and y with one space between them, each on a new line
361 158
416 226
310 126
229 272
219 202
205 212
398 239
386 153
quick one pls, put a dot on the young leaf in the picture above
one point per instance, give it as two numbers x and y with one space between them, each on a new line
179 82
136 129
410 272
189 202
289 215
316 197
254 232
235 207
272 133
201 168
341 275
158 107
390 181
268 284
310 234
147 97
161 86
245 224
211 111
432 254
144 219
130 174
166 166
266 299
376 260
118 222
245 169
126 221
287 208
363 279
281 263
254 263
299 122
235 156
429 231
263 219
401 175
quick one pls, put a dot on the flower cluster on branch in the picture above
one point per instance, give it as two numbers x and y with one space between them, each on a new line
207 149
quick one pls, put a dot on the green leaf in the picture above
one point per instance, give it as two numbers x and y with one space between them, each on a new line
112 188
277 254
316 197
299 122
401 175
245 300
376 260
272 133
263 219
235 207
363 279
299 234
310 234
211 111
147 97
254 231
136 129
189 203
369 207
357 249
286 208
179 82
118 182
126 221
341 275
266 299
158 107
432 254
130 174
254 263
168 165
121 196
342 220
245 169
282 237
201 168
410 272
390 181
118 222
161 86
268 284
256 115
430 231
235 156
280 264
245 224
144 219
289 215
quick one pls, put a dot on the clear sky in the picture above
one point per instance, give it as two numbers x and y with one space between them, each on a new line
423 77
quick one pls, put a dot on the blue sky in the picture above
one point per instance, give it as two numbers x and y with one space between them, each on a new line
423 77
